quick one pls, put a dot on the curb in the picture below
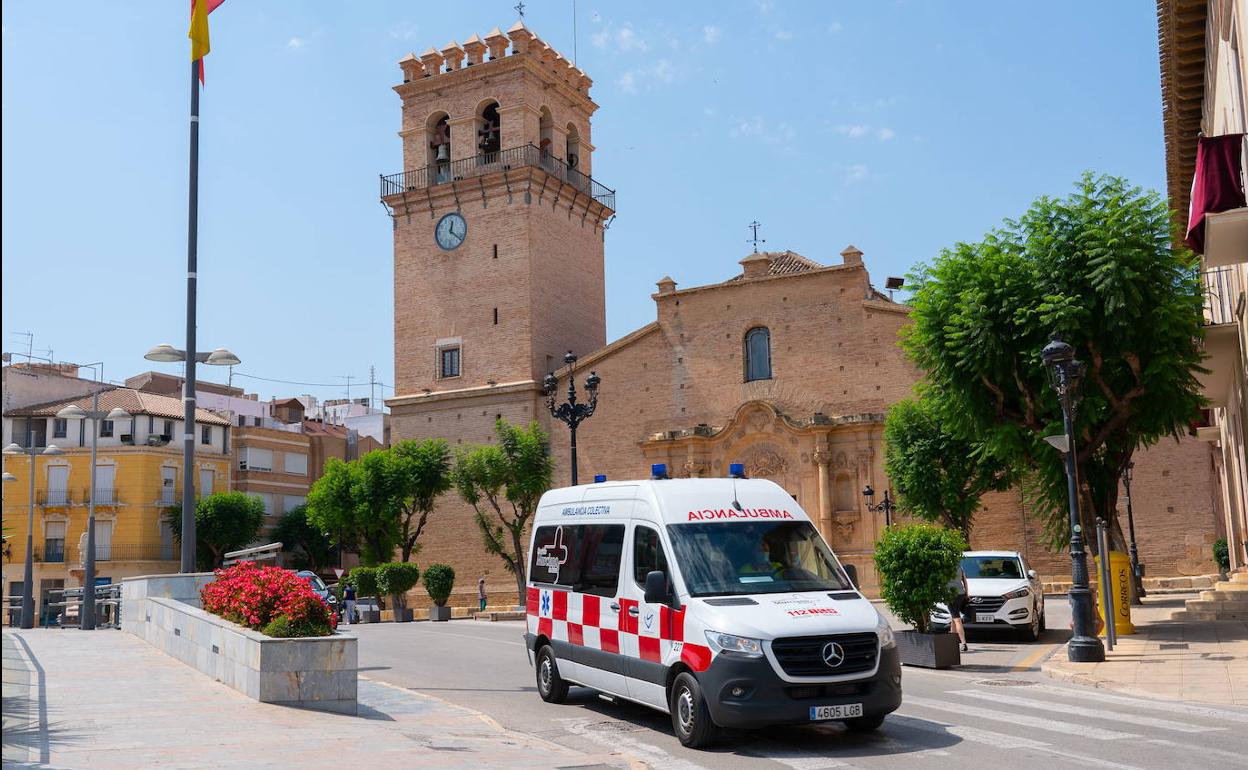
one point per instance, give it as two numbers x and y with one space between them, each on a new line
1072 677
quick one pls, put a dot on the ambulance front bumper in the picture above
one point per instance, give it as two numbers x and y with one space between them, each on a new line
747 693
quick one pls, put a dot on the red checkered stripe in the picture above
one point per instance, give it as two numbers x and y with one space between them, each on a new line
588 620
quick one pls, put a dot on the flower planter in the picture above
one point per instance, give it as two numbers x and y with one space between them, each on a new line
440 613
370 616
403 615
928 650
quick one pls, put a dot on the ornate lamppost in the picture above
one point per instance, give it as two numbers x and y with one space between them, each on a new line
1065 374
1137 569
571 412
28 576
886 506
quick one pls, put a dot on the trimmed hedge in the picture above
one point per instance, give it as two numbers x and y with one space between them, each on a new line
916 563
439 580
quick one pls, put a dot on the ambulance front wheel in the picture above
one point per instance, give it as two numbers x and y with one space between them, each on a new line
550 685
691 720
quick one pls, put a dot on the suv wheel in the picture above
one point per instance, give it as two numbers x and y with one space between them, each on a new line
550 685
691 721
1031 631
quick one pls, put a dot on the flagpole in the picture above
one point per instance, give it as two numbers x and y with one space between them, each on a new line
188 388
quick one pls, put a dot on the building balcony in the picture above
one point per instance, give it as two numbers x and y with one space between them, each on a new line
1222 329
52 498
129 552
46 555
528 156
102 496
1226 238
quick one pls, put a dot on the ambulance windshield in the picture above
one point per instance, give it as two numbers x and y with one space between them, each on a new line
756 557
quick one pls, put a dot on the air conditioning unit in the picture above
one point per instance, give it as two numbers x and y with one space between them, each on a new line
127 438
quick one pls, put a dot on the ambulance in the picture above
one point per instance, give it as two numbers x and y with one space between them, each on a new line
713 600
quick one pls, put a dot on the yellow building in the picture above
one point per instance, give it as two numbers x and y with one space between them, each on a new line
138 477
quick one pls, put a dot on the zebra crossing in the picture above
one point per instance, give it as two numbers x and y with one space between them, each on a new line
1016 724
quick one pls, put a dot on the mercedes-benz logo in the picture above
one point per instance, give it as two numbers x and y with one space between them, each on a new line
833 654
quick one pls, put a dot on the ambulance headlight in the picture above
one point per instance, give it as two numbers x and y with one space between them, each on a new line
888 639
734 645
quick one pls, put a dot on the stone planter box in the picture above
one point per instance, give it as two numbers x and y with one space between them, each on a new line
370 616
928 650
313 672
404 615
439 613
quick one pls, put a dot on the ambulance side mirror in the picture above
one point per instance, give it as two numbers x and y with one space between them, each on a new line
851 574
656 588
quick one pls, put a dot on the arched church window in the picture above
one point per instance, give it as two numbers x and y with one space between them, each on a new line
489 133
758 354
545 140
573 147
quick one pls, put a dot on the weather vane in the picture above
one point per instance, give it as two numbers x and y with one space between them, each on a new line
756 240
520 8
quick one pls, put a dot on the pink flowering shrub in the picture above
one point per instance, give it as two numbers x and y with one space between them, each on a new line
268 599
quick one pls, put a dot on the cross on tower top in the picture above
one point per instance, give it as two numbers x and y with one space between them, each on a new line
756 240
520 8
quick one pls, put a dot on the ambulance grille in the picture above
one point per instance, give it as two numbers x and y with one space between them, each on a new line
803 655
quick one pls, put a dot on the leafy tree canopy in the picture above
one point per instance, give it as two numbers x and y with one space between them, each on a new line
1099 268
310 547
224 522
503 483
939 476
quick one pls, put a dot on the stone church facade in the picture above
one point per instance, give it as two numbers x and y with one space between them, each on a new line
788 365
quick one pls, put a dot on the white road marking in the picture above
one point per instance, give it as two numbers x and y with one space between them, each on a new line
1235 756
1080 711
1039 723
623 743
795 758
1003 741
1169 707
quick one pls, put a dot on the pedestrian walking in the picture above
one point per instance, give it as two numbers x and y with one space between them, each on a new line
958 591
481 594
348 599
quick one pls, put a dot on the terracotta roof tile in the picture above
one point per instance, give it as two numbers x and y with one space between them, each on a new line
133 401
784 263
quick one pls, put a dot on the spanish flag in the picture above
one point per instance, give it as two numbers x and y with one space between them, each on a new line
198 32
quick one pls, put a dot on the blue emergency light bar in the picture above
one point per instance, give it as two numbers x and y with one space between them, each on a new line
601 477
736 470
658 471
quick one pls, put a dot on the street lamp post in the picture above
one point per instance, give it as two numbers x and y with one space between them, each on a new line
1137 569
1065 374
86 615
571 412
28 579
220 357
886 506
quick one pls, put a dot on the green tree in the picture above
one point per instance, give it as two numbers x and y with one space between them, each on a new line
351 498
396 579
224 522
939 477
421 472
1098 267
916 563
309 546
439 579
503 483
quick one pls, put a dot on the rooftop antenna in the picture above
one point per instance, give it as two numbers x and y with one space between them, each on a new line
520 9
30 344
756 240
372 384
573 33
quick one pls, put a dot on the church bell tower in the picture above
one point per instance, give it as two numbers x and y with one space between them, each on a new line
498 223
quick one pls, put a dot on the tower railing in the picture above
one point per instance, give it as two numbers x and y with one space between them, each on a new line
445 172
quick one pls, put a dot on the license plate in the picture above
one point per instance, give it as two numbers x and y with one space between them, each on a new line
844 711
984 617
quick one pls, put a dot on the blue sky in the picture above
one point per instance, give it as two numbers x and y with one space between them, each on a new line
900 127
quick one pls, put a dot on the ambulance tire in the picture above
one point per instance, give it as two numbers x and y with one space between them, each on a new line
550 685
691 720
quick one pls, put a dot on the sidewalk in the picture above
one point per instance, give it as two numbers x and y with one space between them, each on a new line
104 700
1203 661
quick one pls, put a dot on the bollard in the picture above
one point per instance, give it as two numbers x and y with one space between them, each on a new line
1106 598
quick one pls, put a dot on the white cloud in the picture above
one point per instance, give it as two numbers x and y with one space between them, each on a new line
621 38
756 128
662 71
855 131
884 134
784 34
835 27
295 43
856 173
764 6
711 34
627 83
628 41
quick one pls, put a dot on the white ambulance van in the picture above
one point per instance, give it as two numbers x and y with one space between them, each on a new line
713 600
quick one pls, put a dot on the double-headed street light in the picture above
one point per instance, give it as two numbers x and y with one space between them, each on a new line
167 353
1065 374
885 506
571 412
1137 569
30 450
86 615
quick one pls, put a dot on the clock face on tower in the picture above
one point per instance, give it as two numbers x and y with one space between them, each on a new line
451 231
